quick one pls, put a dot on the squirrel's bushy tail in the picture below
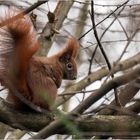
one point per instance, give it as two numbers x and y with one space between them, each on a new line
18 42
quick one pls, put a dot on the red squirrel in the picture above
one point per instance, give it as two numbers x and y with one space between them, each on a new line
35 78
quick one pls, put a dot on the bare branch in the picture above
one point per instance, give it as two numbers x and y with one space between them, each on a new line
116 82
20 15
104 19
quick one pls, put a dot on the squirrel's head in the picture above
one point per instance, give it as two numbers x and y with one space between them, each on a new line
67 58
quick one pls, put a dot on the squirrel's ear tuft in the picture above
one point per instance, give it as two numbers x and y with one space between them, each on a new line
73 47
71 50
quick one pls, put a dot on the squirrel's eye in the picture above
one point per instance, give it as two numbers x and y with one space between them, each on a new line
69 66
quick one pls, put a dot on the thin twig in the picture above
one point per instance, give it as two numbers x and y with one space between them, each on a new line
121 26
21 14
103 19
106 5
94 52
76 92
102 50
97 38
131 37
112 41
123 52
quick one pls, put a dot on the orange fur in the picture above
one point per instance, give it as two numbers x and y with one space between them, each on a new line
36 78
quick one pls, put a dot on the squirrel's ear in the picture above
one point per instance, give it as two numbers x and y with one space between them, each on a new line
71 50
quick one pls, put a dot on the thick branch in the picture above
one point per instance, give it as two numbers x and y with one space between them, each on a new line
32 121
124 125
97 125
126 94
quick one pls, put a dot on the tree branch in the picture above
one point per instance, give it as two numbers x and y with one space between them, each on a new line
126 94
96 125
20 15
105 88
118 7
32 121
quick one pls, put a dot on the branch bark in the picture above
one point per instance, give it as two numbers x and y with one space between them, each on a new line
32 121
96 125
126 94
